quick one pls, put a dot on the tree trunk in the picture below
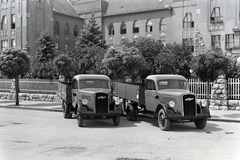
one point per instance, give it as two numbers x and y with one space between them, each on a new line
17 89
207 96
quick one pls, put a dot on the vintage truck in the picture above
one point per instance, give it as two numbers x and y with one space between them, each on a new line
166 97
88 96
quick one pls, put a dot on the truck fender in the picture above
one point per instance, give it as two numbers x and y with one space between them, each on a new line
166 108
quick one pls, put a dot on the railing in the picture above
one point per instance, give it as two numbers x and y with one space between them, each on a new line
199 88
234 89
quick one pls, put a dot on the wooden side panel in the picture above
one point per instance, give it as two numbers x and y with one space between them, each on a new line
127 91
65 92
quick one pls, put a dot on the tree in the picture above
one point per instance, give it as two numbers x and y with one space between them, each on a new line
14 63
91 35
42 63
124 61
174 59
209 65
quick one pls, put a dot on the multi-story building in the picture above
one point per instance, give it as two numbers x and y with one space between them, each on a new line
200 24
23 21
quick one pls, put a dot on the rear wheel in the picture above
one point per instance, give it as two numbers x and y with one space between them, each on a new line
163 123
200 123
116 120
80 120
130 115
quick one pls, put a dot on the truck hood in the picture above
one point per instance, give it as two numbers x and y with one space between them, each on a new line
174 92
94 90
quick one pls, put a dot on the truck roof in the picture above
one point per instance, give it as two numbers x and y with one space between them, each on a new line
91 76
165 76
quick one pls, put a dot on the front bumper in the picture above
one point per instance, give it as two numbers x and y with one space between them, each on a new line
100 114
180 117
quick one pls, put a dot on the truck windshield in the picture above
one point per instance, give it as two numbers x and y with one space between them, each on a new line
94 83
172 84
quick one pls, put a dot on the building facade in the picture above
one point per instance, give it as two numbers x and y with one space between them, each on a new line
199 24
23 21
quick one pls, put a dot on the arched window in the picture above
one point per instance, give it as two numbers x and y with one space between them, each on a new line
123 28
75 32
187 21
135 27
163 25
66 29
4 22
149 26
216 15
56 27
111 29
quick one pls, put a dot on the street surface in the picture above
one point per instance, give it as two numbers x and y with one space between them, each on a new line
41 135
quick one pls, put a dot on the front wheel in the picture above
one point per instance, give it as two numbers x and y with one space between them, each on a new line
163 123
200 123
116 120
80 120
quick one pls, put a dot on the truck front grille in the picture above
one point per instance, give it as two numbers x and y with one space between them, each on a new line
101 103
189 105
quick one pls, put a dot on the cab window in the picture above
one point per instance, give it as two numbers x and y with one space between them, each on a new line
150 85
74 84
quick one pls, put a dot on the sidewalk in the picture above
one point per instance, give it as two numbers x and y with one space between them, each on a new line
216 115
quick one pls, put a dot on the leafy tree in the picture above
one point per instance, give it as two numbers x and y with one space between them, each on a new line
209 65
42 64
124 61
14 63
174 59
91 35
149 49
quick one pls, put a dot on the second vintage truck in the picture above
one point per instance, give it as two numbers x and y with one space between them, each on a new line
166 97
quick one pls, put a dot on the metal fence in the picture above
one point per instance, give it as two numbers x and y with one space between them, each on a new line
200 88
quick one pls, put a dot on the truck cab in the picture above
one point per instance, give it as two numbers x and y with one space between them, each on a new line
91 97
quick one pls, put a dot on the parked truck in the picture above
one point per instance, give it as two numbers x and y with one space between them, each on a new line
166 97
89 96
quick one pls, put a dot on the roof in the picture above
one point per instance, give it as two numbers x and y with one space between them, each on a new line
117 7
165 76
64 7
91 76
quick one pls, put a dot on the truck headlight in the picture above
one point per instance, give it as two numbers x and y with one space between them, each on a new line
204 104
171 104
84 101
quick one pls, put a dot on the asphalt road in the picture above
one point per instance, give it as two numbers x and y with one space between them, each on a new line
38 135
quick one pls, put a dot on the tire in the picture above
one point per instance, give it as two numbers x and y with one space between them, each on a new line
80 120
130 115
116 120
135 118
200 123
163 123
65 109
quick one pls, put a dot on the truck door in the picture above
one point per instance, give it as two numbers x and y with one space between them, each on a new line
74 91
150 93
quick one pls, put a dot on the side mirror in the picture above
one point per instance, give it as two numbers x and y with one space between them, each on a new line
74 94
157 97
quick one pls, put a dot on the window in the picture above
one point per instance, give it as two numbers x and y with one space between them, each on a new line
216 41
229 41
4 1
187 21
123 28
13 43
4 44
57 28
163 24
4 23
57 46
66 31
13 19
74 84
75 32
189 42
150 85
149 26
135 27
111 29
237 38
216 15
